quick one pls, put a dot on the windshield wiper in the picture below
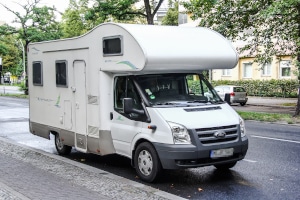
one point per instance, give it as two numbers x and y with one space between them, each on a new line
166 103
216 102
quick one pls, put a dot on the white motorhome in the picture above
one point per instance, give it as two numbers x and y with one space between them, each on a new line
137 91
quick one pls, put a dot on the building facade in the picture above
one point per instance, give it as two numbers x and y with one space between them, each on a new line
281 67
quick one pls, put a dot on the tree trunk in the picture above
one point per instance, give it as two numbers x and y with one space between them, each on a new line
148 12
297 112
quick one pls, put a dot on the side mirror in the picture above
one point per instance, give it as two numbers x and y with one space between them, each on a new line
227 98
128 107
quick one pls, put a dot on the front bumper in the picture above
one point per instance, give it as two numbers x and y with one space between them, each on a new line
237 100
178 156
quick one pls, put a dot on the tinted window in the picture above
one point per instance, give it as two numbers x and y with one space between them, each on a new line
124 87
61 73
238 89
37 73
112 46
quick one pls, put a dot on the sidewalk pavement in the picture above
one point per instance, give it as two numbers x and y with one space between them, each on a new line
271 101
27 173
8 89
268 105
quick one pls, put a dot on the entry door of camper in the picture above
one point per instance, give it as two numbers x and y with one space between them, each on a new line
79 93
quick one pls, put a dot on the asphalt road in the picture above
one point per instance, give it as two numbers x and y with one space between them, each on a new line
269 171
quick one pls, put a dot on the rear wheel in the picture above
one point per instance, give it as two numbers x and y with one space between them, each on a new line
146 162
60 147
225 166
242 104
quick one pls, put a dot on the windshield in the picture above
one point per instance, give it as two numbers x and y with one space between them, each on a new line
177 89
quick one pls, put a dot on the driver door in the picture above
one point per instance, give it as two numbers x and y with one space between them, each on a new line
125 126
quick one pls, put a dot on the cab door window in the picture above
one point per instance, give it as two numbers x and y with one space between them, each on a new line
124 88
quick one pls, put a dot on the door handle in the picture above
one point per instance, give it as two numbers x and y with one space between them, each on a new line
73 89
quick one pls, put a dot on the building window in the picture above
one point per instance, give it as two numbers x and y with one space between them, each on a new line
266 69
226 72
247 70
61 74
37 73
285 68
112 46
182 18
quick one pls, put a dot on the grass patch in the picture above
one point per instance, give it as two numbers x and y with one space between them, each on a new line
269 117
24 96
289 104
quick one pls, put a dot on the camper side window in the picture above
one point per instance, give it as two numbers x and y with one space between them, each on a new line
61 73
37 73
112 46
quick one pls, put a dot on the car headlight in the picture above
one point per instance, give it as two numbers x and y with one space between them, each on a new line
242 128
180 134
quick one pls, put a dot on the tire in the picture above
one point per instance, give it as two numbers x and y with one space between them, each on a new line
242 104
226 166
60 147
147 163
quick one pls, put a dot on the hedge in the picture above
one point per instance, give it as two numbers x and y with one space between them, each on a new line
265 88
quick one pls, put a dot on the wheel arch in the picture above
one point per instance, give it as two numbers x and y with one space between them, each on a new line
136 144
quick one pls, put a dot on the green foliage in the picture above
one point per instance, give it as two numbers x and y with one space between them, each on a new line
37 24
171 17
271 88
264 28
268 27
122 11
104 11
23 87
11 55
42 25
269 117
73 21
266 88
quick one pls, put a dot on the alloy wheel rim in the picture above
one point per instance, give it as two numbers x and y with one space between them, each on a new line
145 162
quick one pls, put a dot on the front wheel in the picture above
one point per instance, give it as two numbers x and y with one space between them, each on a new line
146 162
225 166
242 104
60 147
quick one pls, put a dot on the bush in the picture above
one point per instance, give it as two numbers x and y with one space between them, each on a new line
24 88
265 88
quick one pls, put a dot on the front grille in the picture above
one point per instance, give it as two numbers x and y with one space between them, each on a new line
207 135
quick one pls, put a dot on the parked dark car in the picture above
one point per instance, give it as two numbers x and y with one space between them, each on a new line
6 79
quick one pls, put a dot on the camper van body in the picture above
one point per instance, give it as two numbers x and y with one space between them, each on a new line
74 87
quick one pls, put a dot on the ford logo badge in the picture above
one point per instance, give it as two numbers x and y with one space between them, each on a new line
220 134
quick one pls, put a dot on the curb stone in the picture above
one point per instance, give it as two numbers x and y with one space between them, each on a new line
100 181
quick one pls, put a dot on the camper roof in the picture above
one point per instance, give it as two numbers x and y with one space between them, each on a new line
182 48
150 48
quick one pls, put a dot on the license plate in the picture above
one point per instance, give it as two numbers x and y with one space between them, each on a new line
221 153
242 98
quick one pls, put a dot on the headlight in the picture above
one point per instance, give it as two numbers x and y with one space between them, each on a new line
242 128
180 134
